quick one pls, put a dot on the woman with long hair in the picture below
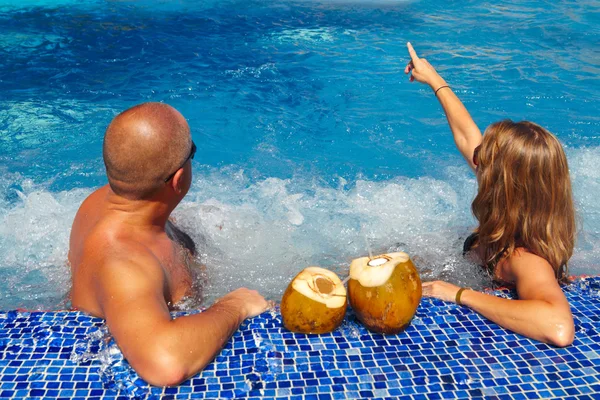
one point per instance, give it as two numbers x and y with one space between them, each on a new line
524 207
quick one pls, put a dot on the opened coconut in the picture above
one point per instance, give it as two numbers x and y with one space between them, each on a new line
314 302
384 291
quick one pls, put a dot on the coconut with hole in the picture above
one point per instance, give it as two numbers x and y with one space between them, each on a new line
314 302
384 291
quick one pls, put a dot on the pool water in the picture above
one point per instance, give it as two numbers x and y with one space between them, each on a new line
310 137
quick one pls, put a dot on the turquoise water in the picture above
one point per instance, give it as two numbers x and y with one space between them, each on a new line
309 135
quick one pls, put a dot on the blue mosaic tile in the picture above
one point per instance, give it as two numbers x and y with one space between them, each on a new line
448 352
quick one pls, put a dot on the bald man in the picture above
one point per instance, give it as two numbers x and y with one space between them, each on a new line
124 266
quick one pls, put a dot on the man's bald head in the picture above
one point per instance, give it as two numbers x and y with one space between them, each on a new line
143 146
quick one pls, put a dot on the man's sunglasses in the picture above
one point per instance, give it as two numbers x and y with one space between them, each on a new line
190 157
476 155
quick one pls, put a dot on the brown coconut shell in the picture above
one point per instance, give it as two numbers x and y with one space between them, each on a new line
390 307
304 315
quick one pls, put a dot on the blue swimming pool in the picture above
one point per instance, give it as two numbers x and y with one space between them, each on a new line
309 135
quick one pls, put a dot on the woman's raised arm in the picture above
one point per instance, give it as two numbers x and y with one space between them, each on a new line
466 134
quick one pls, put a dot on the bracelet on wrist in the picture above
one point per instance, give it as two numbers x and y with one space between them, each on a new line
441 87
459 294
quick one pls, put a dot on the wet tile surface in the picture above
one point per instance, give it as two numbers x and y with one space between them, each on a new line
448 352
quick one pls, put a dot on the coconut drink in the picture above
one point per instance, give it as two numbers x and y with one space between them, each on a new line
314 302
384 291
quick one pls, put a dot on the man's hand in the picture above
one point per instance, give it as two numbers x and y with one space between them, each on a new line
440 290
162 350
422 71
250 301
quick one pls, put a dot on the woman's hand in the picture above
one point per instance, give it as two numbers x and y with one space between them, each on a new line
440 290
422 71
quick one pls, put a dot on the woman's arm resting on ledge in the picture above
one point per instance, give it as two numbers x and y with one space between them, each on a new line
541 313
466 134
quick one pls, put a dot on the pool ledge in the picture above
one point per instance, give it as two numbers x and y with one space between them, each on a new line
448 352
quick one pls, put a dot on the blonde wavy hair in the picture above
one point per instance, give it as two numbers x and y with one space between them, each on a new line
524 197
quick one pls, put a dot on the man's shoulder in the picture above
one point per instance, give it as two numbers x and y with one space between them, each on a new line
108 246
111 263
89 212
127 259
116 248
93 199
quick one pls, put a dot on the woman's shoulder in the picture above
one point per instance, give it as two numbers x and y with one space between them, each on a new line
523 254
523 263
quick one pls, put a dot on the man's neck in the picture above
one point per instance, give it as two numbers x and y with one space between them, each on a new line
147 215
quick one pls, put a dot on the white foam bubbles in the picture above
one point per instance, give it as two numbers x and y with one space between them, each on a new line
34 237
585 173
260 233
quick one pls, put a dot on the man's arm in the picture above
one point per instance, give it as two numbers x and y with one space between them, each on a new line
542 311
165 351
466 134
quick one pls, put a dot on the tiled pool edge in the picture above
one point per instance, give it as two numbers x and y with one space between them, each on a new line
447 352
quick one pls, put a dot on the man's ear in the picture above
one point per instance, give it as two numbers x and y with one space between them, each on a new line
177 182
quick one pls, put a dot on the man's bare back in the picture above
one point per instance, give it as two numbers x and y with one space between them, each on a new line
124 266
98 235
